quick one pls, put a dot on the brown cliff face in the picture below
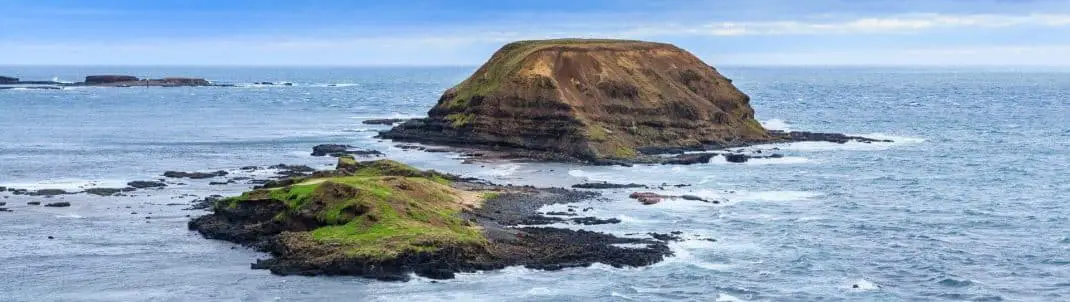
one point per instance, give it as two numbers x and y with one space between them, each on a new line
590 99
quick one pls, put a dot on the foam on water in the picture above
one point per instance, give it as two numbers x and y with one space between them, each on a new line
787 160
67 184
776 124
723 297
863 285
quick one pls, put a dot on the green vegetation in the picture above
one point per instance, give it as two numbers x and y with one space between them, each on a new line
596 133
625 153
491 195
458 120
384 209
507 61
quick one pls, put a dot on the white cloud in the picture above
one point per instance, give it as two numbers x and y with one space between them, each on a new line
889 24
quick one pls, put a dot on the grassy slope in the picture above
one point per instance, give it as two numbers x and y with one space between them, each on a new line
386 208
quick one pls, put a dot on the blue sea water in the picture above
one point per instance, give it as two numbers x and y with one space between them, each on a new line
969 203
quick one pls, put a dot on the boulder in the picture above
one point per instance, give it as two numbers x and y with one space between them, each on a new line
736 158
61 204
690 159
589 100
8 80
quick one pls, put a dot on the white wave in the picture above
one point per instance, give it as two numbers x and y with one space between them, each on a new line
66 184
682 255
391 115
737 195
854 145
787 160
71 216
360 130
863 284
335 85
722 297
776 124
774 195
540 291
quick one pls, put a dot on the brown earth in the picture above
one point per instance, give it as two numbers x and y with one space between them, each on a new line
590 100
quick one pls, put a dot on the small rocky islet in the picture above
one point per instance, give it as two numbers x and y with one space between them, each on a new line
383 219
599 102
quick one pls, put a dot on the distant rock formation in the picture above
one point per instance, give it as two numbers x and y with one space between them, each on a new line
8 80
108 79
589 100
129 81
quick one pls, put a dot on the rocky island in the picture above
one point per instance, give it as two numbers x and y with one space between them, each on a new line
386 220
597 101
107 81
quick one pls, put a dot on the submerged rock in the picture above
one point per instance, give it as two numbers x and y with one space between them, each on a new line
47 192
589 100
8 80
107 191
61 204
385 121
142 184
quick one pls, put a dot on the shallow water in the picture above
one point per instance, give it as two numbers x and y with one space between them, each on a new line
969 203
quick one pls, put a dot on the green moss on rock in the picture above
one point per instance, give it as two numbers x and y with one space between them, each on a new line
382 209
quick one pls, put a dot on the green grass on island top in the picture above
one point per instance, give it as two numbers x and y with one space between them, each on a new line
384 209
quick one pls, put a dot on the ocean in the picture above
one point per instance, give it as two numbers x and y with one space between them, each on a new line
970 201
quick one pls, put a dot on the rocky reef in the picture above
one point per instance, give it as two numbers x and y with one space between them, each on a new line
385 220
593 100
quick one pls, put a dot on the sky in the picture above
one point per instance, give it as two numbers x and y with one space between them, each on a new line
464 33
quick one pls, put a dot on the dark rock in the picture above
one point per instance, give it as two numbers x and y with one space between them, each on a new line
385 121
735 158
250 168
194 175
325 149
665 237
690 159
143 184
693 197
2 203
50 237
218 183
106 191
8 80
606 185
34 203
109 79
594 220
649 200
47 192
61 204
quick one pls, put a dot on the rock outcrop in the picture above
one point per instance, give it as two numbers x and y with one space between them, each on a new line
129 81
8 80
589 100
384 220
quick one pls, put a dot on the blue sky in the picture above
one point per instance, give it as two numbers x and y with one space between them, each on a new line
424 32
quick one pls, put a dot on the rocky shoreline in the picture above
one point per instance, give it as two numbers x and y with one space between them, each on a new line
492 231
109 81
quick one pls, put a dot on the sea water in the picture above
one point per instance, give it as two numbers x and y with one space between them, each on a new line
969 203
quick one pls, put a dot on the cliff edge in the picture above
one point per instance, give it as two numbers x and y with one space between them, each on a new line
590 100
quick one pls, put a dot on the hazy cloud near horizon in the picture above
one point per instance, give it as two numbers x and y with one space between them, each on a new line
763 32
